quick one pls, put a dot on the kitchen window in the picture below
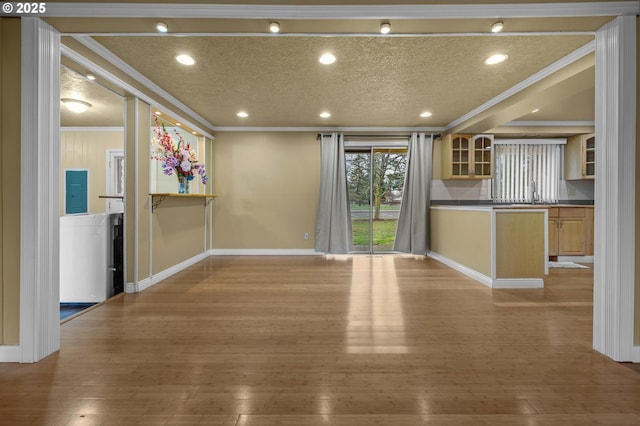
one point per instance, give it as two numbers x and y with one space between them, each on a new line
527 171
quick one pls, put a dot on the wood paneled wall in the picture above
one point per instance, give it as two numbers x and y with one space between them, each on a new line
87 149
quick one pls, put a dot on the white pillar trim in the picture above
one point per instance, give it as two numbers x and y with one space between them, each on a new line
614 269
39 180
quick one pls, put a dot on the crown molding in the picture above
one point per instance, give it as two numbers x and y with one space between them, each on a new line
90 129
301 12
329 129
549 123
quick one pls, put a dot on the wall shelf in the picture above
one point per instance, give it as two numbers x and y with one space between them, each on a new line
159 197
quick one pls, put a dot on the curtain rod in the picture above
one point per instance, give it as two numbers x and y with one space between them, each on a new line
365 137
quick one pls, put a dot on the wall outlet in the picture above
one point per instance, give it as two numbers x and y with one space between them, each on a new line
306 235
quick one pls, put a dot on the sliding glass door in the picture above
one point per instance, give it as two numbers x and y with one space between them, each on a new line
375 180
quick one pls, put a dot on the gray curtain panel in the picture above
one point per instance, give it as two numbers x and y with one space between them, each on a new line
412 235
333 227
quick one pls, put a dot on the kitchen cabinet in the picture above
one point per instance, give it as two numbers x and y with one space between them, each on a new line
580 157
570 231
467 156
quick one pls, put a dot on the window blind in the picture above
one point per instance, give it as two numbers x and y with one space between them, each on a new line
526 173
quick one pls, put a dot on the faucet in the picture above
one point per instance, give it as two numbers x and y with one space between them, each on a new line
533 192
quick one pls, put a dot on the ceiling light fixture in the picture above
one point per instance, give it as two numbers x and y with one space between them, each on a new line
90 76
75 105
496 59
178 124
325 114
385 28
426 114
242 114
535 110
327 59
161 27
185 59
497 27
274 27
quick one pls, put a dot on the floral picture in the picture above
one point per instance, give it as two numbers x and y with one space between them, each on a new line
175 155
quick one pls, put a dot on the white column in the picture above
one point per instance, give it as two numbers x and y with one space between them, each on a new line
39 205
614 276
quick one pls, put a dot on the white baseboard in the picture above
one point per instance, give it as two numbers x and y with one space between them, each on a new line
518 283
155 279
579 259
471 273
498 283
9 353
264 252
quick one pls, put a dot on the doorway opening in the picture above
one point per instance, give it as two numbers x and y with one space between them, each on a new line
375 183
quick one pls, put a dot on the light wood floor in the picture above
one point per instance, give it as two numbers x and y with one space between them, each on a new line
367 340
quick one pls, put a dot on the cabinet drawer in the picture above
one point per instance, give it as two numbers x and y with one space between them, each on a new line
571 212
554 212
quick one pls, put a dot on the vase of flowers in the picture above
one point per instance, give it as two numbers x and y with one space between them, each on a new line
183 185
176 156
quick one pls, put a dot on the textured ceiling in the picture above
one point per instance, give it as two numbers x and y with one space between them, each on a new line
107 108
376 81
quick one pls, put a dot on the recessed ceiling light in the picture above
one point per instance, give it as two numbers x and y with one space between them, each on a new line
274 27
325 114
327 59
158 113
193 133
90 76
496 59
178 124
185 59
426 114
161 27
75 105
497 27
535 110
242 114
385 28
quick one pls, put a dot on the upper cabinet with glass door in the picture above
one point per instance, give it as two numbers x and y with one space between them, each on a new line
580 157
467 156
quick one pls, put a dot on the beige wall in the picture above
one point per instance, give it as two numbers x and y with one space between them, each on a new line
463 236
178 231
9 182
268 187
88 150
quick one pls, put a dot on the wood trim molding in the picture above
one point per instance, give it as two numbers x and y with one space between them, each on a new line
422 11
614 269
471 273
10 353
39 189
264 252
